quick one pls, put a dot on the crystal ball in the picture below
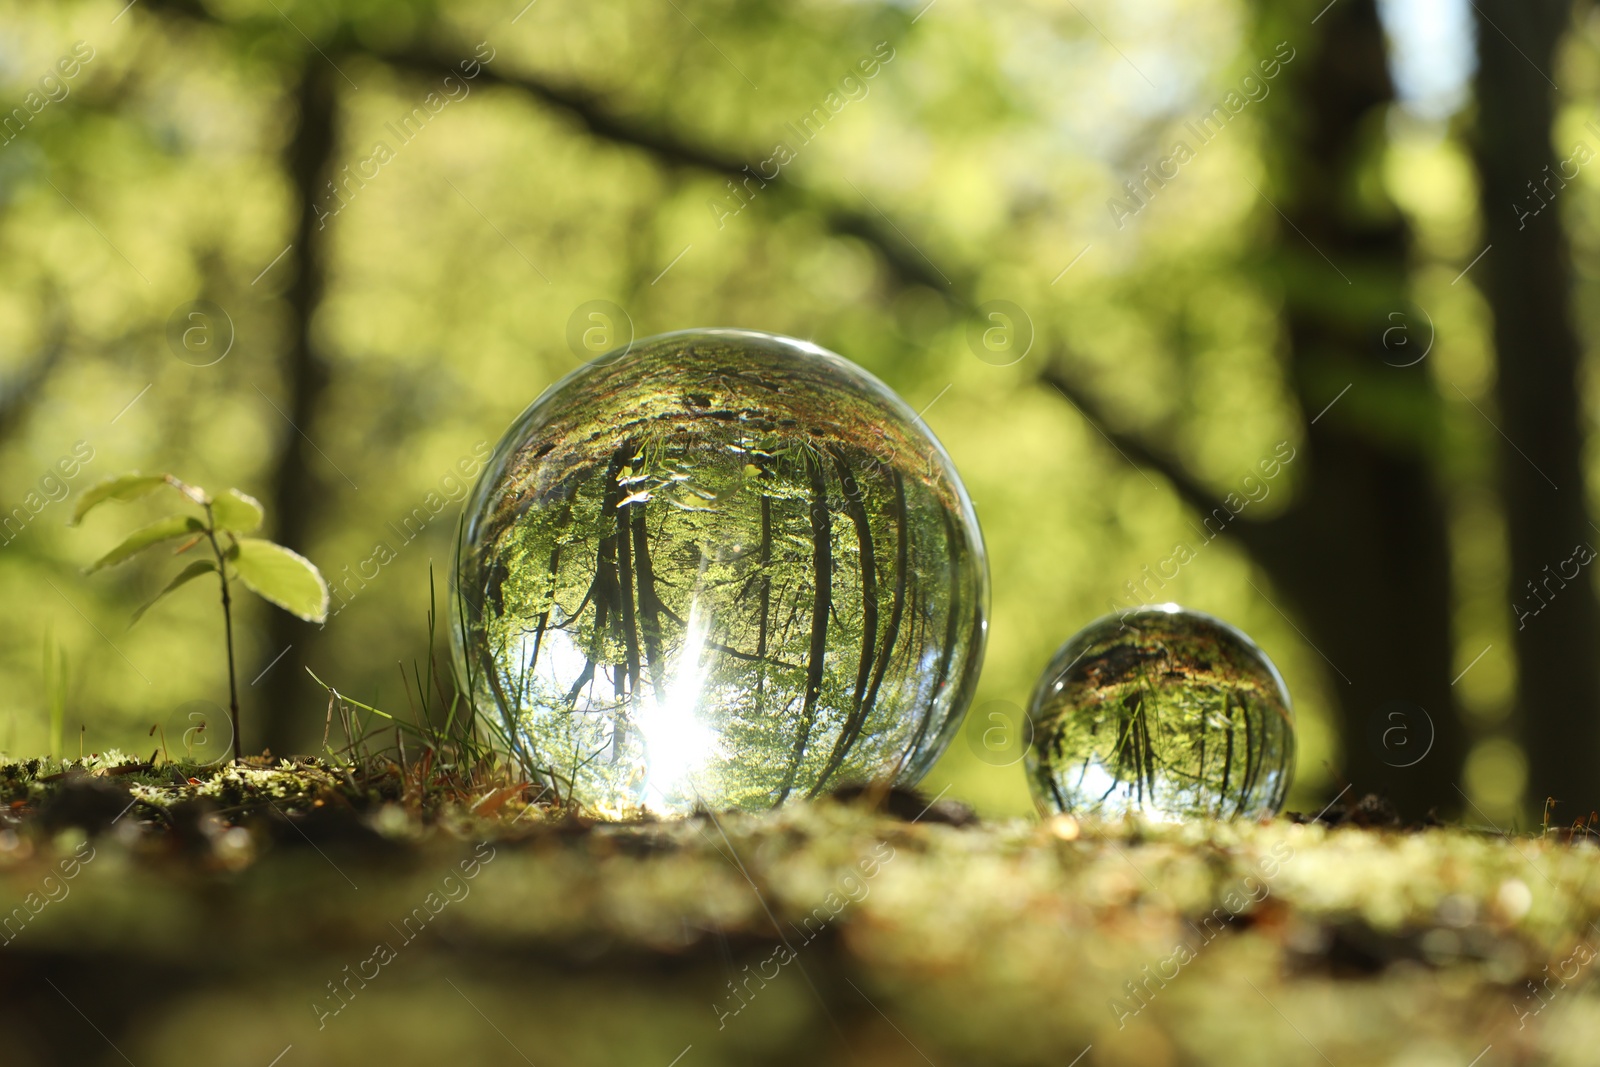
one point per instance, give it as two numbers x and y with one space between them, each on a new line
719 569
1161 712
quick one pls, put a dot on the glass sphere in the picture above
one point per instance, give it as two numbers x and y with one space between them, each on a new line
1162 712
719 569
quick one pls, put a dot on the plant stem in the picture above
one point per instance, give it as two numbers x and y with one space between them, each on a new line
227 627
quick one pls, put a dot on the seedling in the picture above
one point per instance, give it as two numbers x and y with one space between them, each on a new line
274 573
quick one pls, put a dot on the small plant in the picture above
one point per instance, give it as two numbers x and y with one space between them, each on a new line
269 570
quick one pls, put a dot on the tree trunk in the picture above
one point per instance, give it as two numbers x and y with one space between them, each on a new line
821 605
296 485
1364 554
1527 277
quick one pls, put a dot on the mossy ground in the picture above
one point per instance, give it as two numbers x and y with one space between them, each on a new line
174 915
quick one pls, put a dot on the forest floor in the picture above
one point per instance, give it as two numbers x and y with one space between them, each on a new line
308 913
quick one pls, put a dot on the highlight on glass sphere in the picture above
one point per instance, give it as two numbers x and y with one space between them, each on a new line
1163 712
720 569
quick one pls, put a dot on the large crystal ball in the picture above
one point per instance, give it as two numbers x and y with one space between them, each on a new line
720 569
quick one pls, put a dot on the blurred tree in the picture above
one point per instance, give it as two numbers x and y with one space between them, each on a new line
303 378
1528 279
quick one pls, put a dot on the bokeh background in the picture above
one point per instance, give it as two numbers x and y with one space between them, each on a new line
1121 256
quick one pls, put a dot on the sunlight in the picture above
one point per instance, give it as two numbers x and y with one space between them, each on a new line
676 740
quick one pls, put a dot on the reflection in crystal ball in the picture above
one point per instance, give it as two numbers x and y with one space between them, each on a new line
1163 712
721 570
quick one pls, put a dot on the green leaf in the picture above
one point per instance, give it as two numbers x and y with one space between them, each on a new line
285 578
130 486
161 530
237 512
185 576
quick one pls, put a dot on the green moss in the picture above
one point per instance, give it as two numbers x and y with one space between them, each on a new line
849 935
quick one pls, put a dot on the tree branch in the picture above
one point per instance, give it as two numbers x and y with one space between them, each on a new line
907 264
1253 535
597 118
587 108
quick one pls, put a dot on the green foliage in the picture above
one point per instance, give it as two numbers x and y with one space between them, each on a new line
192 571
123 487
237 512
146 537
274 573
280 576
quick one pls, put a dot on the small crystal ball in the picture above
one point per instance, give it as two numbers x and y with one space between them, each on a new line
1162 712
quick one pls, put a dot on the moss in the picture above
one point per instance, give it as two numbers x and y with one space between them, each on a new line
210 920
